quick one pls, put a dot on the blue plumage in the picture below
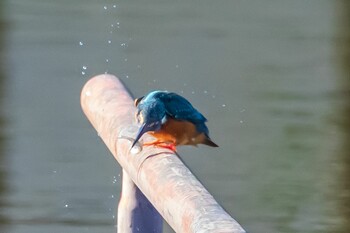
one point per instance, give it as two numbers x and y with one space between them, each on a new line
154 109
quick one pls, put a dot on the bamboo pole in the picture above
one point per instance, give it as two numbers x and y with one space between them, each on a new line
161 176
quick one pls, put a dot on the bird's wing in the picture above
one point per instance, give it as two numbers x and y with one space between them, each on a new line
179 108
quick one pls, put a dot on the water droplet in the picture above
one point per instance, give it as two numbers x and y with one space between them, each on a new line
135 149
66 205
224 105
125 59
54 171
114 6
83 73
81 43
123 44
105 7
109 42
192 92
107 60
112 25
84 67
213 96
241 121
243 110
127 76
205 92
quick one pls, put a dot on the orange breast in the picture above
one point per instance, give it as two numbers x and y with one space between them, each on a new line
179 133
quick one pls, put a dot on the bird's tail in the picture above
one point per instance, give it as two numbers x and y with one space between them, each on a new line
209 142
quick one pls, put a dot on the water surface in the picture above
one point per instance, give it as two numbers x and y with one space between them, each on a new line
271 76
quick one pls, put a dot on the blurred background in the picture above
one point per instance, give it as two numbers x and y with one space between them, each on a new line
272 77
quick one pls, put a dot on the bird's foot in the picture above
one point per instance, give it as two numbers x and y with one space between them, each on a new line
170 146
167 145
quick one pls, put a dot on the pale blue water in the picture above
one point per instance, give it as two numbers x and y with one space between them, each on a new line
271 76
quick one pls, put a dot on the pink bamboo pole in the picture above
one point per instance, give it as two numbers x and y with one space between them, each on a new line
161 176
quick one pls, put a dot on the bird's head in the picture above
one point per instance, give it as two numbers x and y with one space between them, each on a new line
150 113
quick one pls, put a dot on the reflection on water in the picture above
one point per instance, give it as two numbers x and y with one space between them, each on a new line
265 73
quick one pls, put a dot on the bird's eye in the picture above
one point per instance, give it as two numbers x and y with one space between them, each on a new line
138 100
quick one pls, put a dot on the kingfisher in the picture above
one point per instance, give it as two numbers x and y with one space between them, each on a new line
172 120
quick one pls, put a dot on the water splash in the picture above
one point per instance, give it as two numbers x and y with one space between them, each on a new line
135 149
83 72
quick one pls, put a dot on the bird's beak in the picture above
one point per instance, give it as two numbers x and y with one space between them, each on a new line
141 131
